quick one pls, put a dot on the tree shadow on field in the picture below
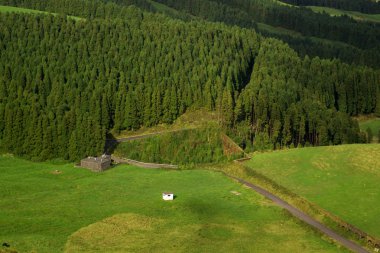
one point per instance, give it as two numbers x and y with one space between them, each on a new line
201 208
110 145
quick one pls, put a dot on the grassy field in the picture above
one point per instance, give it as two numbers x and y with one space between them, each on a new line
7 9
373 124
343 180
20 10
193 146
47 207
170 11
354 14
337 12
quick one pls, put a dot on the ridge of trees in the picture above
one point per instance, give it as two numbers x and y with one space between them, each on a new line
364 6
299 102
364 38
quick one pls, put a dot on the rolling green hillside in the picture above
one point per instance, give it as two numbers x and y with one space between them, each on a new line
46 207
343 180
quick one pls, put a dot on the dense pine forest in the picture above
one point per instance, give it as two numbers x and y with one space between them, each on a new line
361 40
65 83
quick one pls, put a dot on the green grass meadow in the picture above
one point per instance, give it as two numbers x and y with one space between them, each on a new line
193 146
47 207
354 14
343 180
19 10
7 9
373 124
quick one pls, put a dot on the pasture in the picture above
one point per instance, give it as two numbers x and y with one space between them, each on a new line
343 180
55 207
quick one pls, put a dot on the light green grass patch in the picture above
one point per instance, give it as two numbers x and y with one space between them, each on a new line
20 10
192 119
373 124
344 180
354 14
162 8
122 210
10 9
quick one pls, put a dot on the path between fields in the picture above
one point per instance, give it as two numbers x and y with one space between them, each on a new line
143 136
303 216
111 143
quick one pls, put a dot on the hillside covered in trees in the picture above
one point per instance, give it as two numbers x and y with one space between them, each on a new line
65 83
361 40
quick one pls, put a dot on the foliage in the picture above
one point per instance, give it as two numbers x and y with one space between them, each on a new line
41 210
291 101
316 40
342 180
62 89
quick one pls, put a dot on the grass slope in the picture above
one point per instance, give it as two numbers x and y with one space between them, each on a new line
354 14
7 9
344 180
203 145
191 119
121 210
373 124
20 10
162 8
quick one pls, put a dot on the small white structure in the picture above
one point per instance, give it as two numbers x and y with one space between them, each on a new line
167 196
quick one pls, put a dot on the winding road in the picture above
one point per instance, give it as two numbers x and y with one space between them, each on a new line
304 217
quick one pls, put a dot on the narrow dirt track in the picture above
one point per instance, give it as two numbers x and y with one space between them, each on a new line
304 217
144 136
